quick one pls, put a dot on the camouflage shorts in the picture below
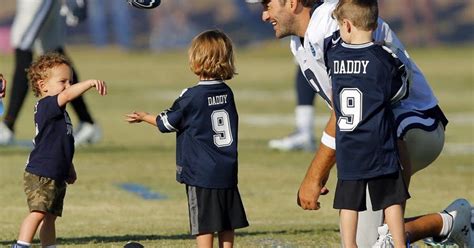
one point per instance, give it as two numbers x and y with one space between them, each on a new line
44 194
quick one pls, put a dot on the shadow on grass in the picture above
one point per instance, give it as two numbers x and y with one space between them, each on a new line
92 149
138 237
111 239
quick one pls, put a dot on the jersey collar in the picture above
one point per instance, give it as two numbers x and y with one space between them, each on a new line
358 46
210 82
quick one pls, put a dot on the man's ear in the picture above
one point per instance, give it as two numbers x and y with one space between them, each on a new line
293 4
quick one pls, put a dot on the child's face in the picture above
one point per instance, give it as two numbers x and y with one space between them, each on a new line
59 79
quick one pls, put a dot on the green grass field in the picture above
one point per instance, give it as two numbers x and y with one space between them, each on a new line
99 214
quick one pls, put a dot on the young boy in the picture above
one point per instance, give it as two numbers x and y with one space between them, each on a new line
49 167
205 120
366 80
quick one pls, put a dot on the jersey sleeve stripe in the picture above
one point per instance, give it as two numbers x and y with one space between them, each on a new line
166 123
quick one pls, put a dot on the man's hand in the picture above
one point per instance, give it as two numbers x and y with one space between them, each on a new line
314 182
309 193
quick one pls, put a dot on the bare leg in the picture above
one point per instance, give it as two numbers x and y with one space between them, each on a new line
348 228
420 227
48 230
30 225
226 239
205 240
395 222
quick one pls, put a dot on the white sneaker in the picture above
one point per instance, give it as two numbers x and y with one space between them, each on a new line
87 133
293 142
6 135
461 233
385 239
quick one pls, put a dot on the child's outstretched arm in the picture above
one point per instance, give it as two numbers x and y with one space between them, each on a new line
137 117
77 89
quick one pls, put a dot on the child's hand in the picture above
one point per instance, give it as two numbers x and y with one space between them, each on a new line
3 86
72 177
135 117
99 85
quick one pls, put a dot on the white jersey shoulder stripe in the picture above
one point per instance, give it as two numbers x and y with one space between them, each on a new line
166 123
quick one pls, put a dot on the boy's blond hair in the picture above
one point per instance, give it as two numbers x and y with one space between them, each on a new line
40 69
211 55
362 13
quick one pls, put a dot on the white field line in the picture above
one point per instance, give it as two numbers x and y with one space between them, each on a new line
240 95
288 119
458 119
450 148
458 148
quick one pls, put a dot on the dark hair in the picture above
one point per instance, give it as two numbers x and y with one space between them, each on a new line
305 3
362 13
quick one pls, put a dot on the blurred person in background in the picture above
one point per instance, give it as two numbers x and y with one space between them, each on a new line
39 27
303 137
417 18
101 13
171 26
419 33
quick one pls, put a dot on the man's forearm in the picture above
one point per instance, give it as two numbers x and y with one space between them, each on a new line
322 163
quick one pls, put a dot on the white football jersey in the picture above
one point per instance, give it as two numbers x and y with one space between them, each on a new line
311 56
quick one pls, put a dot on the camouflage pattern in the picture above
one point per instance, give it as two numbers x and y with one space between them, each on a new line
44 194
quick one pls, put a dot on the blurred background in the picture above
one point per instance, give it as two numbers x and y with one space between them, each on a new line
112 22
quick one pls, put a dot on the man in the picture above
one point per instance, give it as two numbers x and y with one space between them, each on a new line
38 27
310 25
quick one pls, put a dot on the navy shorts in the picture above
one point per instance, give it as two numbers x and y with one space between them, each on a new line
385 191
215 210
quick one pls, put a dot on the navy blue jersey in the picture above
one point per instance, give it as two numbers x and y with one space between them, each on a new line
205 120
53 144
366 80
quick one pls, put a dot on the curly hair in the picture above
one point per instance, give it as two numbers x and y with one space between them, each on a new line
41 67
211 55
